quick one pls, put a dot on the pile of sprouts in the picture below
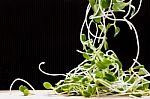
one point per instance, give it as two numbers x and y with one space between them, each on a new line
101 73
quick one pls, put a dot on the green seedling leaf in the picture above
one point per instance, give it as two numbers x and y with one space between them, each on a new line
92 3
117 30
86 93
77 78
142 71
119 6
59 90
65 88
100 65
90 89
87 65
95 7
145 86
97 20
83 37
100 27
138 67
108 26
114 1
127 78
105 3
86 56
89 51
98 74
84 80
47 85
110 77
22 88
26 92
137 95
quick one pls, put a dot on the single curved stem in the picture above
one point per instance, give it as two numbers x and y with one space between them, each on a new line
48 73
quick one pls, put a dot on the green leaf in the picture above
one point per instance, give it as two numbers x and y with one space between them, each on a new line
117 30
106 62
77 78
65 88
83 37
105 3
110 77
127 78
108 26
100 65
47 85
142 71
84 80
89 51
95 7
98 74
59 90
119 6
86 93
145 86
100 27
92 3
97 20
138 67
114 1
137 95
86 56
26 92
87 65
90 89
22 88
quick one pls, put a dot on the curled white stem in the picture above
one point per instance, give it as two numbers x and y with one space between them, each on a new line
48 73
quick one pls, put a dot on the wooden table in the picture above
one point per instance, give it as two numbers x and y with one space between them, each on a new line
45 94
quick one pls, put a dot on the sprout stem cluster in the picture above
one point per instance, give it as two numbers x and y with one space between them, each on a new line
101 72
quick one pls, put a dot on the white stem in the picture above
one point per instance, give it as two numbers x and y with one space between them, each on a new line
137 10
48 73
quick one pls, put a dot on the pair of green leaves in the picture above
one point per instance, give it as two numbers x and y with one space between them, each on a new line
24 90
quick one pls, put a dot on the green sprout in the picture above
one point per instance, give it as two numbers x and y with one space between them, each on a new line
101 73
24 90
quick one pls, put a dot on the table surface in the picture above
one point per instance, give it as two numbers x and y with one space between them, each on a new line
40 94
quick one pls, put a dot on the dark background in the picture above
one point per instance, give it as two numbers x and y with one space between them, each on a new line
32 31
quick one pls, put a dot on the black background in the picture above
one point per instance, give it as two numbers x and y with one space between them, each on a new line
32 31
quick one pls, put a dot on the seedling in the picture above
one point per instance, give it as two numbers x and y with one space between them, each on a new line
101 73
24 90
